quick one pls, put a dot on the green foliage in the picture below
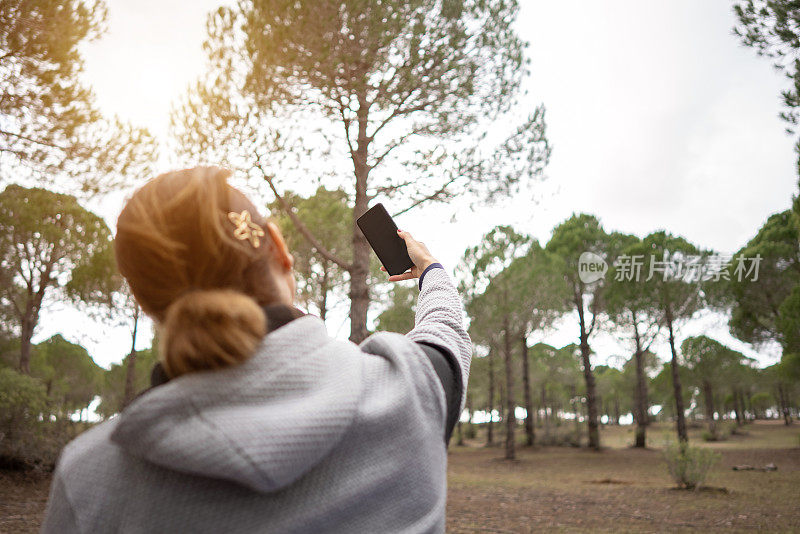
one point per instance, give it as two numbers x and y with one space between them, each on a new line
96 279
328 213
677 295
47 230
399 316
788 324
9 350
44 238
761 401
629 302
31 434
572 238
756 305
23 400
51 128
662 392
614 389
578 234
689 466
431 47
112 392
69 374
711 361
481 265
510 281
555 372
790 367
395 96
771 27
494 252
388 83
321 282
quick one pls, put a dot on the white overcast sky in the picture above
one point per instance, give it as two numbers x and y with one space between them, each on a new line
658 118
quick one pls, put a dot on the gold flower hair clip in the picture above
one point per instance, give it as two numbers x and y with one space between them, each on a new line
246 228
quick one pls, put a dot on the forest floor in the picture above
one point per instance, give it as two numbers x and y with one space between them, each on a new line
622 489
575 490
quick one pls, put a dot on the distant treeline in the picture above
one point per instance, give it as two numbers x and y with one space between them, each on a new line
641 291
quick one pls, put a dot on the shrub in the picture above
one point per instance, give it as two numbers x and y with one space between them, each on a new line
23 404
30 437
689 466
558 437
723 432
708 436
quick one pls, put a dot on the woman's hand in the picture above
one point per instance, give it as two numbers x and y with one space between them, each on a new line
419 255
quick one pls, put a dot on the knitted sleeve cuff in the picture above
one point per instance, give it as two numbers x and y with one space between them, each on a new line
428 268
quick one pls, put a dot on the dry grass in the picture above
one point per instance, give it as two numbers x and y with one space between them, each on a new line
625 490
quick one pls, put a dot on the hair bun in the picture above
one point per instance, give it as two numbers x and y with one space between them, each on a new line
210 329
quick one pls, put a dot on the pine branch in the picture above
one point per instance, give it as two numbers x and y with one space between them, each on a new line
32 140
301 227
435 195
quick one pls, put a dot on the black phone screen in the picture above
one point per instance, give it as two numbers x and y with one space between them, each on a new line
381 233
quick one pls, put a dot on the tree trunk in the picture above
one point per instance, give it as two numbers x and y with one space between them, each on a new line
130 372
530 436
747 408
470 427
640 403
490 428
323 288
577 410
546 415
359 290
31 316
501 397
511 420
708 393
680 418
787 417
28 323
736 407
588 375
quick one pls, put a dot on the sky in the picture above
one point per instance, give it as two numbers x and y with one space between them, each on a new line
658 118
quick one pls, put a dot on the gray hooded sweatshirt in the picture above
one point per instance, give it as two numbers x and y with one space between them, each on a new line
312 434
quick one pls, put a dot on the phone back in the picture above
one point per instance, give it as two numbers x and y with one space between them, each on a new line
381 233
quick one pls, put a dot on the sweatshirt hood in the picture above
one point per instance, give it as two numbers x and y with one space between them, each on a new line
261 424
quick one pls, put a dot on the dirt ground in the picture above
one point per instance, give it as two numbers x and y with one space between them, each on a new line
23 497
574 490
627 490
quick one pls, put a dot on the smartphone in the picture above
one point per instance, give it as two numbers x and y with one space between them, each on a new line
381 233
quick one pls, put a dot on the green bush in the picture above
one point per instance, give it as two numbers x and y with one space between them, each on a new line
689 466
31 436
23 407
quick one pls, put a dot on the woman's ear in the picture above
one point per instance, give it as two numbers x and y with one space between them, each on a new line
283 256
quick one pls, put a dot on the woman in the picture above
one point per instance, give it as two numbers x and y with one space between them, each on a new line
262 422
